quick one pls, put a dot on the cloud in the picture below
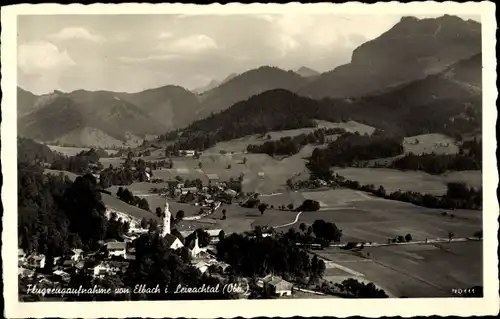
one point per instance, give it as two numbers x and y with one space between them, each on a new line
72 33
165 35
39 57
192 44
132 60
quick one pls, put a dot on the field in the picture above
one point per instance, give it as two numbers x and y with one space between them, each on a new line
417 181
72 151
428 143
420 270
240 145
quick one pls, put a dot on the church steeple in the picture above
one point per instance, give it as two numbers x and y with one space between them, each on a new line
166 219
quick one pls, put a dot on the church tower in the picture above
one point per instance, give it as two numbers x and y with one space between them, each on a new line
166 219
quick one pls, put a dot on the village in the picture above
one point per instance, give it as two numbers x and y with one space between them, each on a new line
114 256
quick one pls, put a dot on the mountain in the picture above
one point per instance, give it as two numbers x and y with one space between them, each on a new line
213 84
245 85
171 105
306 72
410 50
448 102
25 101
64 113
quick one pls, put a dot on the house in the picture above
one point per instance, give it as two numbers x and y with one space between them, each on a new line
21 255
116 248
77 254
201 266
276 285
279 286
185 190
67 263
100 270
62 275
173 242
36 261
189 153
147 176
24 272
213 177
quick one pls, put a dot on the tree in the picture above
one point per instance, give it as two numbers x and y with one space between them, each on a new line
222 235
200 165
408 237
450 236
309 230
144 222
224 213
289 183
229 166
244 160
302 227
401 239
258 231
290 206
262 207
180 215
159 212
321 267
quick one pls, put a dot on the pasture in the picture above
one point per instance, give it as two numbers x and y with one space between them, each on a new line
416 181
430 143
420 270
72 151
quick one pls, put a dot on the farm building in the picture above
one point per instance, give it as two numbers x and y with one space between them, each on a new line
36 261
213 178
189 153
276 284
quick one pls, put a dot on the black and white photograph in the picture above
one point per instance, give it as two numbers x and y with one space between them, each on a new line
289 154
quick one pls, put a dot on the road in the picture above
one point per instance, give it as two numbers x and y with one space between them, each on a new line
295 221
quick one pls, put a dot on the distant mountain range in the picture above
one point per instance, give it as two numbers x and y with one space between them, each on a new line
449 102
307 72
403 60
213 84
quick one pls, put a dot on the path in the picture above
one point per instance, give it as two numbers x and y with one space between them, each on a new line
295 221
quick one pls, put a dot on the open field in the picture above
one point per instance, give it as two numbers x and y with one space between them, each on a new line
428 143
417 181
240 145
427 270
72 151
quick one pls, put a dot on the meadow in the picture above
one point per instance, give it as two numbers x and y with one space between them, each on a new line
420 270
416 181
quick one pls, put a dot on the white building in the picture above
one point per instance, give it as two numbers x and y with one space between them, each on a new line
118 249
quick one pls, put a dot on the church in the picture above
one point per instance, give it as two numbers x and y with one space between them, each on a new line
172 241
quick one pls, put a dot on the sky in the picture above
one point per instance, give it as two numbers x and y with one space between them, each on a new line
131 53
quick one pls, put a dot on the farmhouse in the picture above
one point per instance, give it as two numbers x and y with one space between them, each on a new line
189 152
117 248
36 261
276 284
213 178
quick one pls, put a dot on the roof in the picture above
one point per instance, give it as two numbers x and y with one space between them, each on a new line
213 232
60 273
116 245
77 251
212 176
170 239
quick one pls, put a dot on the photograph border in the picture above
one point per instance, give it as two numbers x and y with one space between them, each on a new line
488 305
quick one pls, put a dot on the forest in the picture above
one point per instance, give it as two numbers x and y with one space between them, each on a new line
350 148
291 145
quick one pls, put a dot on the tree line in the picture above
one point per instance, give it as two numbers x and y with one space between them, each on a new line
292 145
458 195
350 148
